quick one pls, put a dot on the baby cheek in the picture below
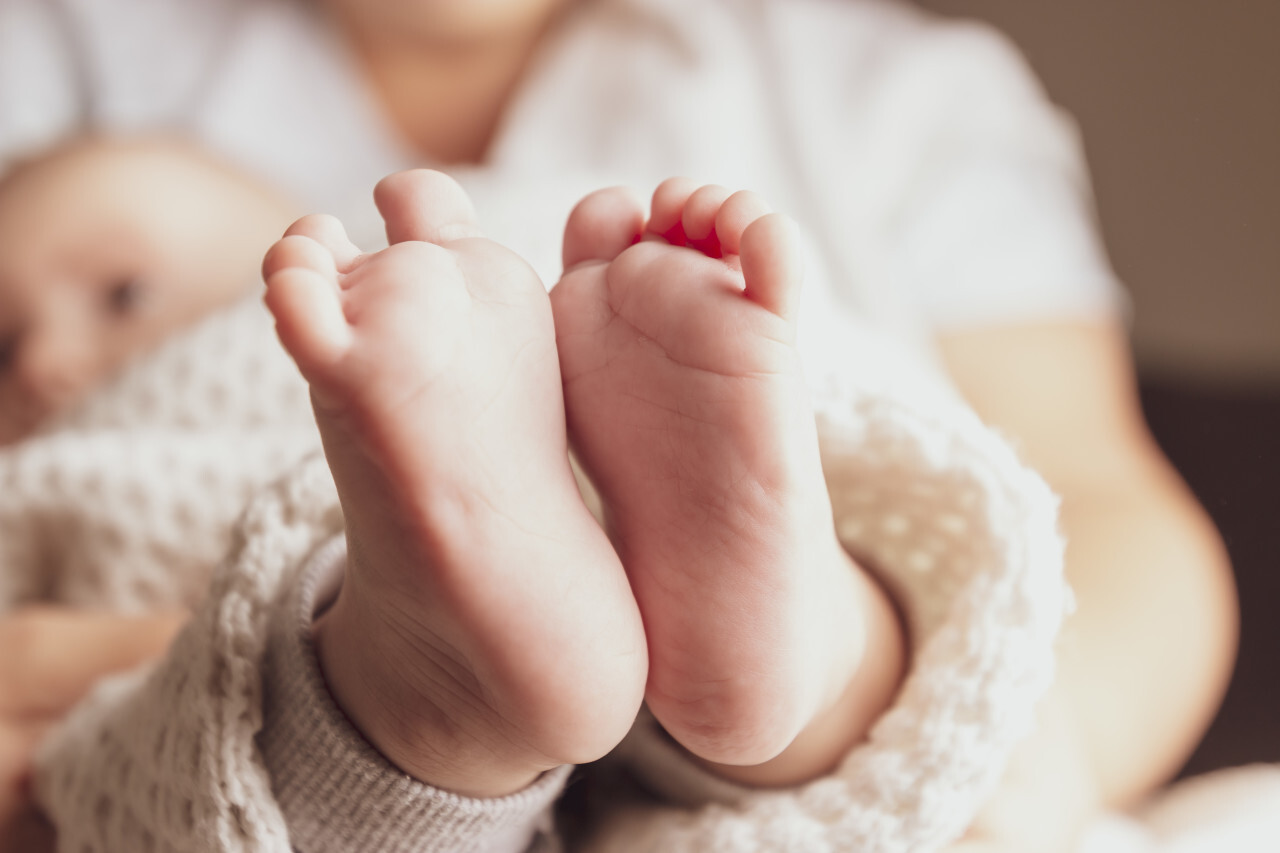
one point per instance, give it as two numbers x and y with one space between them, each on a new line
53 371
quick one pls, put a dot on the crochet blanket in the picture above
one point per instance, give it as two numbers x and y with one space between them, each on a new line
127 503
132 501
962 534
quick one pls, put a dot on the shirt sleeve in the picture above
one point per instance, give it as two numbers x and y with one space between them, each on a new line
40 85
994 221
945 182
127 66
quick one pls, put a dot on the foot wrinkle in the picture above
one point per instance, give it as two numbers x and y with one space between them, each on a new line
584 264
673 409
427 643
454 234
496 512
641 337
687 405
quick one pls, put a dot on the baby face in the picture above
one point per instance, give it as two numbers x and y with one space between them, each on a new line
105 250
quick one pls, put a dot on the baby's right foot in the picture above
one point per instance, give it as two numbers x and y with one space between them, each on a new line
485 630
687 406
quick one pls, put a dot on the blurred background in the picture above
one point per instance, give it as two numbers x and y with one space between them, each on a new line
1179 104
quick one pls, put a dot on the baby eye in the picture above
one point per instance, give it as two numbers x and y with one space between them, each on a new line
124 297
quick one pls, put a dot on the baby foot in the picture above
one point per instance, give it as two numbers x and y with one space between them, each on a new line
485 630
687 406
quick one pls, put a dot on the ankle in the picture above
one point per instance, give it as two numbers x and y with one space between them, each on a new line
362 669
473 707
859 686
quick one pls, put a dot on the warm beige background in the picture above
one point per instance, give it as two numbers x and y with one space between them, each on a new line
1179 101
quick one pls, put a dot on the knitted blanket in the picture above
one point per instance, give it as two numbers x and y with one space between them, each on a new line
962 534
128 502
133 500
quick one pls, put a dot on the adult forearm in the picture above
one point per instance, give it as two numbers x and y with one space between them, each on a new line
1146 658
1142 665
54 654
51 657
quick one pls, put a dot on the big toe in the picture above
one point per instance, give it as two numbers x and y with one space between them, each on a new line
602 226
424 205
772 267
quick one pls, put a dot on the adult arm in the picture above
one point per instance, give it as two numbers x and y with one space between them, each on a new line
1144 660
52 656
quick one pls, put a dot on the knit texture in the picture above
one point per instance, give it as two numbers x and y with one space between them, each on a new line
199 755
168 760
127 503
371 805
168 763
966 540
937 504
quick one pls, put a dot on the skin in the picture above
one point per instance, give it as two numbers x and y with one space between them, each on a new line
106 249
444 70
474 570
1134 531
1145 659
688 409
1133 528
53 655
147 237
486 629
1148 568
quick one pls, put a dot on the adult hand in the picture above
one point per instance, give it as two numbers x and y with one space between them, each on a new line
18 741
52 656
27 832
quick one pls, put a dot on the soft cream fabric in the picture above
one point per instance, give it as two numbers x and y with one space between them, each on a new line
127 503
937 187
962 533
369 805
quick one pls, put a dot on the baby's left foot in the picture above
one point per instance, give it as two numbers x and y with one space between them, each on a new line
484 631
686 403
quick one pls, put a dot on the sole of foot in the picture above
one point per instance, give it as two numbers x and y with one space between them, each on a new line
687 405
485 630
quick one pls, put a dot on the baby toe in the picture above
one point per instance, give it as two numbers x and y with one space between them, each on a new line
667 208
738 211
310 321
426 206
772 268
601 226
699 218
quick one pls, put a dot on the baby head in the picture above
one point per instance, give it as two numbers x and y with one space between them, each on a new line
106 248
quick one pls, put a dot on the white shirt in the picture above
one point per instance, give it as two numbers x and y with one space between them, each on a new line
937 186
